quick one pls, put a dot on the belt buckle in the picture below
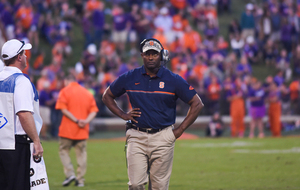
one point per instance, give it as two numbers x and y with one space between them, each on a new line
148 130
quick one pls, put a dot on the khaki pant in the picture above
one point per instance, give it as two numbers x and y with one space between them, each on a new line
247 32
150 156
80 150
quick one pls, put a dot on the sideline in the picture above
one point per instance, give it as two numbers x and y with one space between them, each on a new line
116 123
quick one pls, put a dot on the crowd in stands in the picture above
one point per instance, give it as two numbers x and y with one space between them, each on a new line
215 64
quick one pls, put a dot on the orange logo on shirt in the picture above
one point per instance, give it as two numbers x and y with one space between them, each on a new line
191 88
161 85
136 83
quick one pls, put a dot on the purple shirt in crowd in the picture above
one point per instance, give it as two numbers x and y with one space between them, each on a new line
86 25
211 32
257 93
98 19
35 19
44 96
120 22
7 18
233 91
286 32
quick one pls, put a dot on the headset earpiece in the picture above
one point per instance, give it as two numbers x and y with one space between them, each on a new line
165 55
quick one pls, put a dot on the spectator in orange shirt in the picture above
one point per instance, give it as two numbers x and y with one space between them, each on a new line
176 46
191 39
159 35
294 95
43 79
274 110
179 65
211 14
92 5
79 108
25 14
200 68
214 93
175 62
178 4
237 108
179 24
39 61
222 44
108 49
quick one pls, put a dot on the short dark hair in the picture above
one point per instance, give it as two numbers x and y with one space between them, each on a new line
70 77
13 59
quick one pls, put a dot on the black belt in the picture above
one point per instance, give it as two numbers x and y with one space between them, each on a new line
23 139
146 130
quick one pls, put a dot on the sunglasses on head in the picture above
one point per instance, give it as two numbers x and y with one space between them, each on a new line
23 43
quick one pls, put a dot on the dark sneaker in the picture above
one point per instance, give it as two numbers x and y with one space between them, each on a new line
68 180
79 184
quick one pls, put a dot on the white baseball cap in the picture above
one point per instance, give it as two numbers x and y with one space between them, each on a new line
250 6
164 11
152 44
92 49
250 39
13 47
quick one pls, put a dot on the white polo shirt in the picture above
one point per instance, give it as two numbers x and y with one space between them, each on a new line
23 98
1 65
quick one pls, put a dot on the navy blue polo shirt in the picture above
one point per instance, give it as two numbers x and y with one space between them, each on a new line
155 96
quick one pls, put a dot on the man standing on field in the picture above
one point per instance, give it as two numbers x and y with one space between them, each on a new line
79 108
153 91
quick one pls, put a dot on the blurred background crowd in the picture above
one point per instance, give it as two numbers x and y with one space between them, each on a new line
265 36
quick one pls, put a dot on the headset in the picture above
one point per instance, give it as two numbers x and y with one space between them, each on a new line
164 54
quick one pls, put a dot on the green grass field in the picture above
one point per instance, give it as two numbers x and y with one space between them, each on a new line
225 163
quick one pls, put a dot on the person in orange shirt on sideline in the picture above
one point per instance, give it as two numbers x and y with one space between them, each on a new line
191 39
274 111
214 94
294 95
237 109
79 108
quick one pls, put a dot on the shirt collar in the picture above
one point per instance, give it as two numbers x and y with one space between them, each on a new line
158 74
73 83
12 69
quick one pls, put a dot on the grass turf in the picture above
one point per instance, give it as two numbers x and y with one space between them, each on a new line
225 163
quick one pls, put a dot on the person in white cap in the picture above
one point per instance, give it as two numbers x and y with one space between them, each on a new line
20 122
150 134
248 22
164 21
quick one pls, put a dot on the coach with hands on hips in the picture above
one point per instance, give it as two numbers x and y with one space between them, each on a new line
19 111
153 91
